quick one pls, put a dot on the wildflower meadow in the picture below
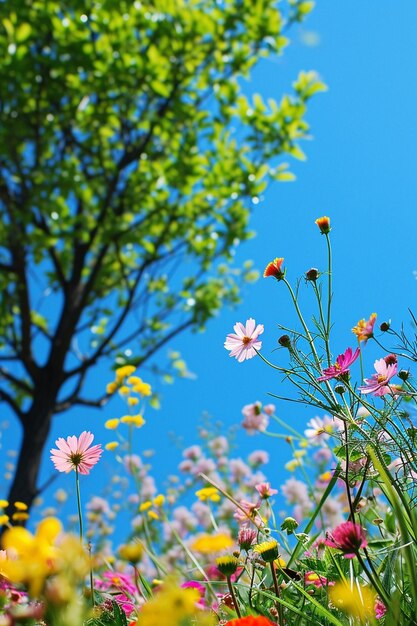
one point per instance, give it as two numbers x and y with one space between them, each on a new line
212 549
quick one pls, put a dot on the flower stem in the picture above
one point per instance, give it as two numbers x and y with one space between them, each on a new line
277 593
80 515
232 593
329 284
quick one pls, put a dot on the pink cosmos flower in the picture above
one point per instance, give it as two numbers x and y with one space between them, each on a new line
343 362
255 419
378 383
265 490
348 537
244 343
75 453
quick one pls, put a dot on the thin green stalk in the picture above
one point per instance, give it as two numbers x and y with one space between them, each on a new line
329 285
232 593
277 592
80 515
323 323
303 323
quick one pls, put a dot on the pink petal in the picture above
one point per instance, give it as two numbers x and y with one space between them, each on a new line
239 329
84 440
250 327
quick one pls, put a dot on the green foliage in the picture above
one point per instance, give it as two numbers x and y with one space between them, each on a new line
127 146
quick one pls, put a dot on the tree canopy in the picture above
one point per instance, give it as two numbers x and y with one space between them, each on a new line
130 158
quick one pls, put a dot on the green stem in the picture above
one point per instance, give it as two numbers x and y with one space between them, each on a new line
329 285
277 593
232 593
80 515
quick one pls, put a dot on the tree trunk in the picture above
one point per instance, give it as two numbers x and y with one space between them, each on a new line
36 427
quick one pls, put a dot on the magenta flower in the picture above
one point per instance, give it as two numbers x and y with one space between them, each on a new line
244 343
348 537
378 383
343 362
75 453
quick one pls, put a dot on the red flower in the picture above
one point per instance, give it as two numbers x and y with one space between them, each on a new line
251 620
274 269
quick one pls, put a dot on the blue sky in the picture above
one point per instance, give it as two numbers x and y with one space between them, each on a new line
361 171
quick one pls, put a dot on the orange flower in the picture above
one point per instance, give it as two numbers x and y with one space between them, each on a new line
274 269
324 224
364 329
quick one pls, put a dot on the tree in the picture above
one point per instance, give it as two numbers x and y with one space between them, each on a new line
129 158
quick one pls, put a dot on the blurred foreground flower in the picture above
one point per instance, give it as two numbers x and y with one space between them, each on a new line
30 558
244 344
251 620
75 453
355 600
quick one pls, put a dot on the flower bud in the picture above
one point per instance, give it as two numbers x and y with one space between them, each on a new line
289 524
340 389
384 327
324 224
284 341
403 374
312 274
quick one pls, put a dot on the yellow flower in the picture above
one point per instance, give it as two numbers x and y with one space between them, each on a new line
145 506
131 552
134 380
298 454
354 600
135 420
227 565
132 401
171 606
208 493
111 387
267 550
33 555
144 389
3 520
207 544
20 506
111 424
159 500
153 515
3 504
326 476
292 465
124 390
112 445
124 371
20 516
